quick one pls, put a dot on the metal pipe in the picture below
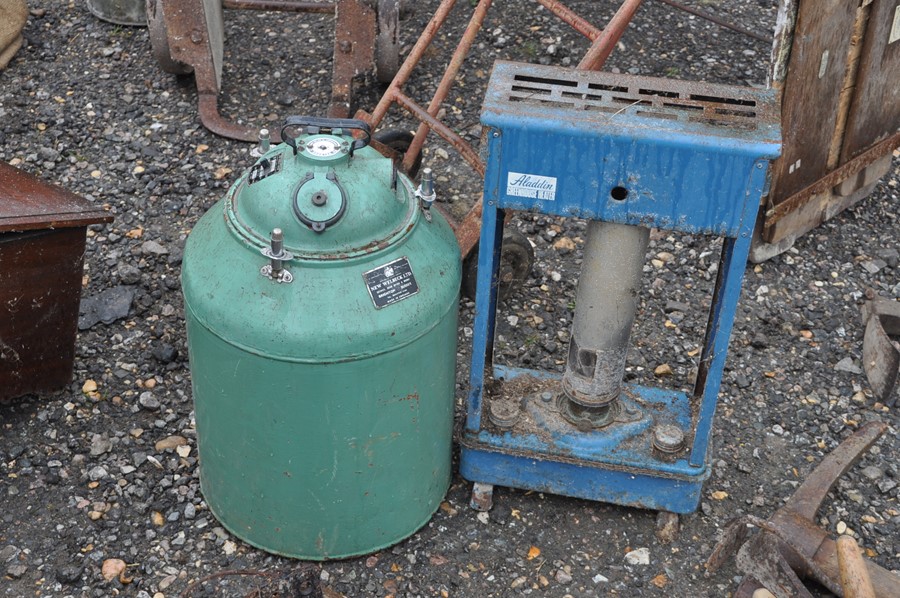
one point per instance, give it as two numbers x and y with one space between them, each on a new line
443 88
604 45
605 306
280 5
610 279
393 90
717 20
469 154
569 17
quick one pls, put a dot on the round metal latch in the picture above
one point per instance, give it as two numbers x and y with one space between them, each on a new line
324 206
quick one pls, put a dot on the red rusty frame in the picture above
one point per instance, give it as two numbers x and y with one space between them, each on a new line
602 44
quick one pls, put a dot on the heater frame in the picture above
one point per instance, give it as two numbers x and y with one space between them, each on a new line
675 155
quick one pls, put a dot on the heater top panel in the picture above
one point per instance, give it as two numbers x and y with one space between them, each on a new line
638 150
746 118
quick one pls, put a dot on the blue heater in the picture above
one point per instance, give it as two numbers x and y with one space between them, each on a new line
627 153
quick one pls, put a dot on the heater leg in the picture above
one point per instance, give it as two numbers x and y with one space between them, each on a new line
482 496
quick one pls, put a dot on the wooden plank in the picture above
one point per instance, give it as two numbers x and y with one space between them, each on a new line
875 111
811 93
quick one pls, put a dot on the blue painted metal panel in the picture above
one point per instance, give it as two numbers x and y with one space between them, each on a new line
542 474
650 152
667 186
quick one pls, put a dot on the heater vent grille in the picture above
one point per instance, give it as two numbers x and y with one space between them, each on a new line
646 97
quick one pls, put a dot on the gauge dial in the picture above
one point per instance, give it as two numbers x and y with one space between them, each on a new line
323 147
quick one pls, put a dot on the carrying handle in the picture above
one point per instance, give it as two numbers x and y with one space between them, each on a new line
314 125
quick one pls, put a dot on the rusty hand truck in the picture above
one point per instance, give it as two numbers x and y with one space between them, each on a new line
188 36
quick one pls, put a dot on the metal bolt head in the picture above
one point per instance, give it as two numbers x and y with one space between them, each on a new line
546 396
504 413
668 438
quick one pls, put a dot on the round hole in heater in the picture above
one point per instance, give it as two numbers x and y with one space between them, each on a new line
619 193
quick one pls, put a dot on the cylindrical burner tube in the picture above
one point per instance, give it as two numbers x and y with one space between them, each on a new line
605 306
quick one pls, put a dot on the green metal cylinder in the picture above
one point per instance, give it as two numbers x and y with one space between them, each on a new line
324 405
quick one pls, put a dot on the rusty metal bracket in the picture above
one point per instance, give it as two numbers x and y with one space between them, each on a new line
881 358
834 177
793 546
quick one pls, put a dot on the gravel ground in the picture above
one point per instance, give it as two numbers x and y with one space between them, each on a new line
107 468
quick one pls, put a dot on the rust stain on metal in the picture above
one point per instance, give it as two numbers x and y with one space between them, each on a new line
354 52
189 37
790 545
572 19
849 168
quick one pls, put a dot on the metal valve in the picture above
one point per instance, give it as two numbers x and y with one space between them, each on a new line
275 270
425 192
265 141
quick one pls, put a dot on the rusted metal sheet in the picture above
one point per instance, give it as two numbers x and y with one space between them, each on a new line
811 93
42 237
354 52
875 111
881 359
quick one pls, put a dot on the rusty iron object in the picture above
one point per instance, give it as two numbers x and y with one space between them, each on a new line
569 17
603 46
603 43
834 177
354 52
301 581
188 36
881 357
789 546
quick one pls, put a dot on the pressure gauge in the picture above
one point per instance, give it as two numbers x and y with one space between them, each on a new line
323 147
